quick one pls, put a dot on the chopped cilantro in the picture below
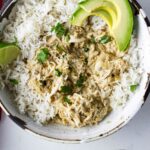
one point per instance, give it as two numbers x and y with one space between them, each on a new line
105 39
80 81
58 72
67 100
43 55
13 81
66 89
59 30
133 87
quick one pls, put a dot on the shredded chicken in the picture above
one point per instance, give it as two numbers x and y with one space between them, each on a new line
87 69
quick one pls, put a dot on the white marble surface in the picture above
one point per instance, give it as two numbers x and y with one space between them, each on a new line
135 136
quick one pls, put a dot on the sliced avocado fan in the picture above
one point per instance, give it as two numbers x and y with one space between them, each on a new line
8 53
116 13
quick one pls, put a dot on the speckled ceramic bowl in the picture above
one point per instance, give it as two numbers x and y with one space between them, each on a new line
115 121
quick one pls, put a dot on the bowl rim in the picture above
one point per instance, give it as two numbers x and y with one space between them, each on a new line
21 123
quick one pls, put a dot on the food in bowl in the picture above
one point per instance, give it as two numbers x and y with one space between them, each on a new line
67 73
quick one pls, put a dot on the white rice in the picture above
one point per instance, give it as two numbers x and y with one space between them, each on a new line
29 19
122 90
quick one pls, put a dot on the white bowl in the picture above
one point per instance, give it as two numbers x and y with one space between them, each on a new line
117 119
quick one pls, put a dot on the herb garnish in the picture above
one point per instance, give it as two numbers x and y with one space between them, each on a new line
59 30
14 81
43 55
58 72
67 100
80 81
66 89
133 87
105 39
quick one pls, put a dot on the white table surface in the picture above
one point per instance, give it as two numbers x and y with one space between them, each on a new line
135 136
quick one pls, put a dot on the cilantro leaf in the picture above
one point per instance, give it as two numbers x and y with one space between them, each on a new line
80 81
58 72
43 55
105 39
66 89
67 100
133 87
59 29
14 81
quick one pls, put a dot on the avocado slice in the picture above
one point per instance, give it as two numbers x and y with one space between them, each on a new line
122 29
79 16
102 13
90 5
77 19
120 12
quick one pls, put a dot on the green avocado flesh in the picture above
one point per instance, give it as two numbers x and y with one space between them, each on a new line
122 29
8 53
77 19
116 13
91 5
104 15
79 16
